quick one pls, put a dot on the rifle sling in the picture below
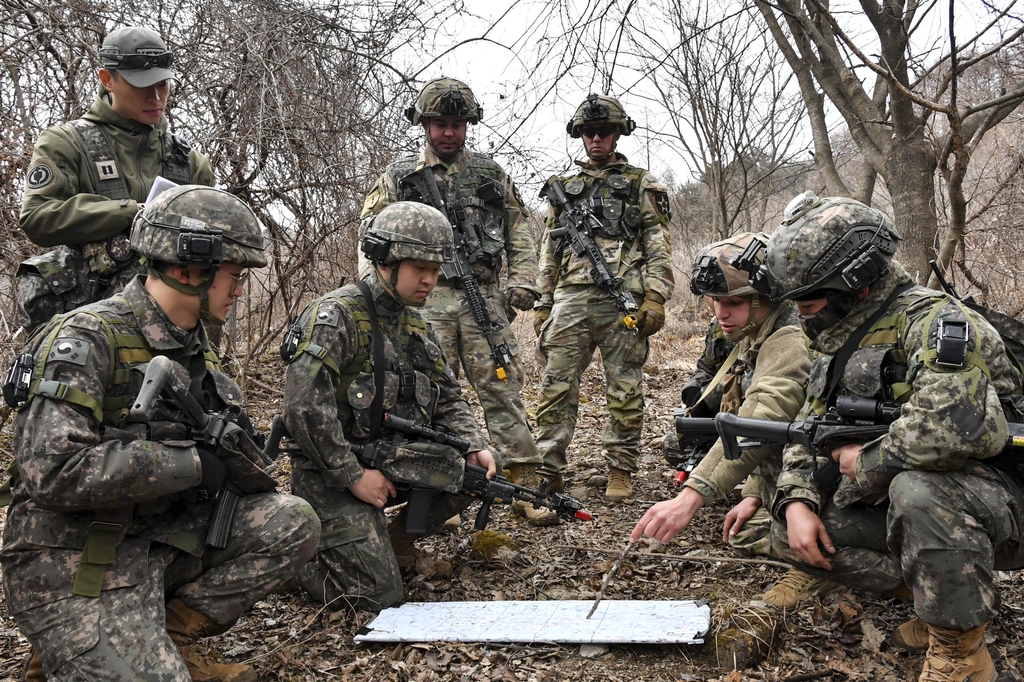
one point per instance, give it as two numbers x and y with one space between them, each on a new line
717 379
377 406
838 364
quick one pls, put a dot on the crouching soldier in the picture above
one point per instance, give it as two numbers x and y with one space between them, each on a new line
361 358
105 563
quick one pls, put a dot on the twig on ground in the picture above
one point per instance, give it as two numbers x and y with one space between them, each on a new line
684 557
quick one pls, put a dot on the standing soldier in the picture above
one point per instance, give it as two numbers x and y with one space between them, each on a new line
352 354
105 560
934 504
575 315
88 178
490 226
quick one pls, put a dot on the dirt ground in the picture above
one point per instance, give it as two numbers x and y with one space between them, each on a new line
838 637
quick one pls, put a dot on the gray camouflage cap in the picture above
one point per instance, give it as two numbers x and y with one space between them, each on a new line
198 225
833 243
138 54
408 230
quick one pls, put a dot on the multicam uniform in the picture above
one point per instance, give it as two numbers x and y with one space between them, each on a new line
106 524
493 207
328 397
926 507
67 204
636 244
766 382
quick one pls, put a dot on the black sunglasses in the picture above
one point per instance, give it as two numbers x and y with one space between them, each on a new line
594 131
138 62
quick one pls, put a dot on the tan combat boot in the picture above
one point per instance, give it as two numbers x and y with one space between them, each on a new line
619 486
955 656
912 635
526 475
34 667
185 626
794 587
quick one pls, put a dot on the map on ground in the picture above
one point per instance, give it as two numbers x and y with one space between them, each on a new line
614 622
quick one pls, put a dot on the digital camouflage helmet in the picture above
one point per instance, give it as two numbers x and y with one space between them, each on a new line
406 230
832 244
198 226
722 270
600 109
445 97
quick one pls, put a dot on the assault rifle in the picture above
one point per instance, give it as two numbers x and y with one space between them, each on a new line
853 420
579 225
246 464
467 251
474 482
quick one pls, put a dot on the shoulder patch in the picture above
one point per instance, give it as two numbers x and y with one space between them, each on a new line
327 317
84 321
68 349
42 177
661 203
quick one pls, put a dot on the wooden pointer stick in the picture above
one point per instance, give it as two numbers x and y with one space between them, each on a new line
608 578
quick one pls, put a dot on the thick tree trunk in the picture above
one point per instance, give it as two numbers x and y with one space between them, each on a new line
911 180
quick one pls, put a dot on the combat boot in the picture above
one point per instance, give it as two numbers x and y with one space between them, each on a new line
955 656
185 626
912 635
526 475
410 558
34 667
794 587
619 485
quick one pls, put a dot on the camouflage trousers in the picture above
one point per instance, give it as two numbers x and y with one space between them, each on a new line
355 567
942 532
583 319
121 634
754 537
464 345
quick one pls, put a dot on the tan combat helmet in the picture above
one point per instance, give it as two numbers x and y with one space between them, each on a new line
445 97
600 109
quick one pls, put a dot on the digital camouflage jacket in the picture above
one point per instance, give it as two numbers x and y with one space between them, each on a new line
949 413
329 387
635 240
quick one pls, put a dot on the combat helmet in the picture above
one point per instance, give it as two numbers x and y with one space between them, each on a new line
198 226
407 230
600 109
445 97
830 244
722 270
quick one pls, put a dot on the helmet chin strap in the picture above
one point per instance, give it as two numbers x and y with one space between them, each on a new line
752 321
202 290
391 286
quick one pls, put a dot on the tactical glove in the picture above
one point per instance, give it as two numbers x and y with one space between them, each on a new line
651 317
214 472
520 298
539 316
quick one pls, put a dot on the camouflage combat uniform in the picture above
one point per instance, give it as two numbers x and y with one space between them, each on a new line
328 395
64 207
927 507
105 526
504 234
766 382
637 247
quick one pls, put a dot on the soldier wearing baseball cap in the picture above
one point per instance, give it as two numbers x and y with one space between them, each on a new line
89 177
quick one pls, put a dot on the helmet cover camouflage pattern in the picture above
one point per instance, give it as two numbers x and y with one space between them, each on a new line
833 243
409 231
600 109
445 97
184 224
713 273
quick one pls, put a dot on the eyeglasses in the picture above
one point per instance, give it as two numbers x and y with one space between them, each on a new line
137 62
240 280
595 131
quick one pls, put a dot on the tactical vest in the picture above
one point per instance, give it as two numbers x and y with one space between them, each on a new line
410 385
614 198
479 188
878 368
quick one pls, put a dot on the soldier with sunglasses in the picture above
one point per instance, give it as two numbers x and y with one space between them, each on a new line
88 178
575 315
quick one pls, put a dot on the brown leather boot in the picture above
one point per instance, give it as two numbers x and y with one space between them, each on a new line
185 626
526 475
955 656
619 485
912 635
794 587
34 667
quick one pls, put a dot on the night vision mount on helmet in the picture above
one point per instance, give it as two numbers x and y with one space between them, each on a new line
600 109
445 97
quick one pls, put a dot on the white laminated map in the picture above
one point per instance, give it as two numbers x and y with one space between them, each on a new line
614 622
